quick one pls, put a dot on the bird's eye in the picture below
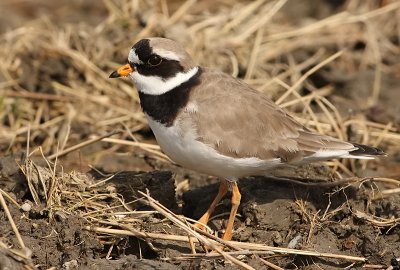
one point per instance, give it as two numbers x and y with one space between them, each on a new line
154 60
132 64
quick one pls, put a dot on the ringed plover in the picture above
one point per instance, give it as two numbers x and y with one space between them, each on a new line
210 122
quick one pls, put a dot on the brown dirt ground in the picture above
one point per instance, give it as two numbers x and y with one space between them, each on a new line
272 212
319 215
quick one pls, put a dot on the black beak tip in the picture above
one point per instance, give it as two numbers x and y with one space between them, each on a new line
114 75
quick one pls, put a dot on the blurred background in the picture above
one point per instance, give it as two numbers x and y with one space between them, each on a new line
333 63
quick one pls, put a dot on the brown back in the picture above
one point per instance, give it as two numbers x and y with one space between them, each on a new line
239 121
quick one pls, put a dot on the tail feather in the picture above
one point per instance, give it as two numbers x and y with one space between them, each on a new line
366 151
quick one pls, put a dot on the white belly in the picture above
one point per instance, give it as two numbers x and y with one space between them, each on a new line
185 150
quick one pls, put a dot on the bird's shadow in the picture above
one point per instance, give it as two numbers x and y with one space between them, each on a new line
265 190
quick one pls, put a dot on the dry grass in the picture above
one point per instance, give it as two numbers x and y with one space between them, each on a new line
101 205
278 57
55 90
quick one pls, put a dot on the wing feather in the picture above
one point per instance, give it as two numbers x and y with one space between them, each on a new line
239 121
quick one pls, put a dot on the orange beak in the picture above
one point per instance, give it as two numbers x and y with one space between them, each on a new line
122 71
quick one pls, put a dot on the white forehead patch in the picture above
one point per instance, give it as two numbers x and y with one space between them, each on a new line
167 54
133 57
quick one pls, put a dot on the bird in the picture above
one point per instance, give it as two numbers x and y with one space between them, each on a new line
213 123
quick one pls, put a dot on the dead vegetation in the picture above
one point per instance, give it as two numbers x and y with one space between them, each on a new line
56 99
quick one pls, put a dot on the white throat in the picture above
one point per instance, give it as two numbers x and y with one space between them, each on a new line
154 85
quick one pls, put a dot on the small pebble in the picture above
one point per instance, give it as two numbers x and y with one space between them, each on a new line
71 265
60 216
277 238
26 207
293 243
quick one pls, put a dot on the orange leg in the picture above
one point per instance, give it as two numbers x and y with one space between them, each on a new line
223 188
235 204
